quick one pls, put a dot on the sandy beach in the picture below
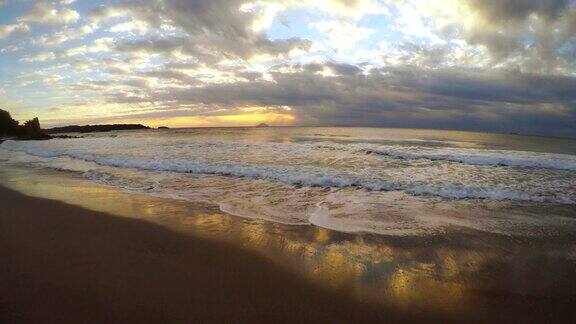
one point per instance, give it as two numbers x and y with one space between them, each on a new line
62 263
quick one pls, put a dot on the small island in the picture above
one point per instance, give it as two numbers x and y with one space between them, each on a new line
262 125
163 127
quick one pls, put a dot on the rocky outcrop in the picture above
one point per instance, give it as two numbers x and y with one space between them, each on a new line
7 124
30 130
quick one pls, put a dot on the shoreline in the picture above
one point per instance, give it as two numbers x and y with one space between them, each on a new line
62 263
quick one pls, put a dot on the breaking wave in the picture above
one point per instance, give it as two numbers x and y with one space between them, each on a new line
480 157
328 177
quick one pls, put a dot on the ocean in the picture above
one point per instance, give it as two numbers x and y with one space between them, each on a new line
394 182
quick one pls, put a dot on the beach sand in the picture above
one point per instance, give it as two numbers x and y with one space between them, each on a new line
62 263
83 252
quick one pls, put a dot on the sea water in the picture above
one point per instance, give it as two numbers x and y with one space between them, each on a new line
382 181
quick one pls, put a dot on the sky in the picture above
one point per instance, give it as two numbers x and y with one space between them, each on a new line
487 65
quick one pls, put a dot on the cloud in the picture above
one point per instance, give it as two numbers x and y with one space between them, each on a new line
133 26
513 11
481 64
10 49
341 8
531 35
45 13
18 29
342 35
39 57
407 97
103 44
211 30
65 35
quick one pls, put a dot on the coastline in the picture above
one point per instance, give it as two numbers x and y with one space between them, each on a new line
62 263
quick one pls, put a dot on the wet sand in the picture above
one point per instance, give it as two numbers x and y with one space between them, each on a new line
62 263
160 259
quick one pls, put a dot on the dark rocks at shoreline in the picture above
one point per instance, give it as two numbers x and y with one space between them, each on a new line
95 128
38 137
66 136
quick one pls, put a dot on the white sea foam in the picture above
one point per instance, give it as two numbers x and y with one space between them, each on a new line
328 168
480 157
345 210
399 214
400 191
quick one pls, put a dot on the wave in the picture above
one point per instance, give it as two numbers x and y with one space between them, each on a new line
315 176
479 157
344 210
319 178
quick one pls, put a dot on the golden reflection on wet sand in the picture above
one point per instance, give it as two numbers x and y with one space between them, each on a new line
418 275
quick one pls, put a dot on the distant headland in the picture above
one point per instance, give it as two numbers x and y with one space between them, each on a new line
31 130
94 128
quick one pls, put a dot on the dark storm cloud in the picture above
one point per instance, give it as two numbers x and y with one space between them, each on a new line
405 97
535 35
172 75
343 69
506 11
500 86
